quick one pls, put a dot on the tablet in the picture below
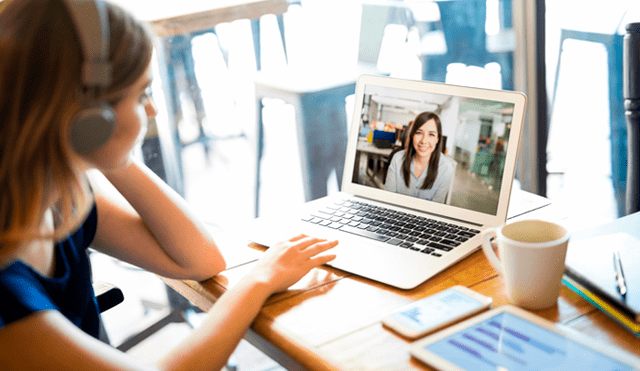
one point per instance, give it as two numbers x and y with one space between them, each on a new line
510 338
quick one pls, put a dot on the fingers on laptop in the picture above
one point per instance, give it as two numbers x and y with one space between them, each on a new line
298 237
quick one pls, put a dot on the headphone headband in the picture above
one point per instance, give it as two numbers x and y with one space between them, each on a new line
92 26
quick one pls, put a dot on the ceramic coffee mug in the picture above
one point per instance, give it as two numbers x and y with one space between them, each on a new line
532 255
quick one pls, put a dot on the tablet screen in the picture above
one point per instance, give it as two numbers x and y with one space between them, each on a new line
506 341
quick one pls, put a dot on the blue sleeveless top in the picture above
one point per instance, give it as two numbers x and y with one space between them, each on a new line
24 291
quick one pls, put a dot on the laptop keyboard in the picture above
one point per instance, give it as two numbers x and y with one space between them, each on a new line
394 227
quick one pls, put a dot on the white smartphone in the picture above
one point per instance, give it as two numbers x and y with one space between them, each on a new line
436 311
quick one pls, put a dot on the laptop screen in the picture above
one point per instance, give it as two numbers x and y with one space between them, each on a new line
437 144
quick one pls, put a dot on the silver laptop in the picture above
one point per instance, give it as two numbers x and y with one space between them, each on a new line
403 237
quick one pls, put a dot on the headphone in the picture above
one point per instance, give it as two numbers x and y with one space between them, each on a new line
94 124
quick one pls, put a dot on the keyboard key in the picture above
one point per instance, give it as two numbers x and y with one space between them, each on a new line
440 246
450 243
466 234
394 241
364 233
406 244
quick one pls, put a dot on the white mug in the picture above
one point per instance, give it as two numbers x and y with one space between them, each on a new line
532 256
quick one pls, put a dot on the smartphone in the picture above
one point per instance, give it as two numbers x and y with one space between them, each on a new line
436 311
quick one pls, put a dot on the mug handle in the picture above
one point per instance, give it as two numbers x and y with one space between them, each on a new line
488 249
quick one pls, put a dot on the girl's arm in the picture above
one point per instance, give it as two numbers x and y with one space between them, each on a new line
282 265
47 340
152 226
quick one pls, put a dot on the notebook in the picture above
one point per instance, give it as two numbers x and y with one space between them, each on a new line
403 240
590 265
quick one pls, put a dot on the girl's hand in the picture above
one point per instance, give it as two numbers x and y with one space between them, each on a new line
286 262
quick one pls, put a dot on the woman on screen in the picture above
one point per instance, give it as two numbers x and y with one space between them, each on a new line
419 170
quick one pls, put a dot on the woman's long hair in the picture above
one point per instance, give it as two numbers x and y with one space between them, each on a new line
41 90
410 151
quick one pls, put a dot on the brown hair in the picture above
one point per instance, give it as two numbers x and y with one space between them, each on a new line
40 92
410 151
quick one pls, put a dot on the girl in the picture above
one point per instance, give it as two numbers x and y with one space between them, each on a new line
50 213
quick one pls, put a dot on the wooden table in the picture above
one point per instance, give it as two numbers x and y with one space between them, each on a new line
331 320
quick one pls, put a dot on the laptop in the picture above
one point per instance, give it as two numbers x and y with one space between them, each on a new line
403 240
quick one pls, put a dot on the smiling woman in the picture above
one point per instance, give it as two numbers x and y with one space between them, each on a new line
420 170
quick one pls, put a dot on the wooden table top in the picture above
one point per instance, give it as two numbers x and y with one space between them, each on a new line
331 319
171 17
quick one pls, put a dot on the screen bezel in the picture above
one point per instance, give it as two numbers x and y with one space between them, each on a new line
518 99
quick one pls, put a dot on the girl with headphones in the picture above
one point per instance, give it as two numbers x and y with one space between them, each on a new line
70 104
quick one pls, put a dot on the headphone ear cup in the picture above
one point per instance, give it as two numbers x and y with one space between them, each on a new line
92 127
